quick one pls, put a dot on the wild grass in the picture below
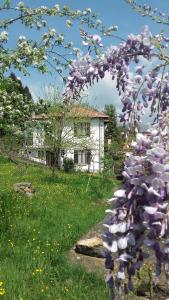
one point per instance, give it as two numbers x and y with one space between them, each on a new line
36 234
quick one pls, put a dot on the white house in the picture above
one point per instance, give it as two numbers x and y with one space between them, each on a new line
83 135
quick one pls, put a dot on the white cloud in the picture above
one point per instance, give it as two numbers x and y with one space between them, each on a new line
104 92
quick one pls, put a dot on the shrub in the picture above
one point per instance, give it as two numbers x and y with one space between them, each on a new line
68 164
113 164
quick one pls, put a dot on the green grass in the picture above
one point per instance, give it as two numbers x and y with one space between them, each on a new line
36 234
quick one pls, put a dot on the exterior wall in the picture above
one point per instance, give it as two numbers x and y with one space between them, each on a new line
32 154
38 137
95 143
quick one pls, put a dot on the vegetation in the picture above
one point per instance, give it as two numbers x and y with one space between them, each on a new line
141 213
16 105
37 233
16 108
68 164
50 51
114 143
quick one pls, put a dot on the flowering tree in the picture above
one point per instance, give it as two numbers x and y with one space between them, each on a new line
140 212
16 104
50 51
152 12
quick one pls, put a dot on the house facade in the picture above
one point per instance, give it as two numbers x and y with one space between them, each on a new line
82 140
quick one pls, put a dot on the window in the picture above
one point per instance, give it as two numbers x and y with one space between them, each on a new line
28 137
81 129
62 153
82 157
39 138
41 154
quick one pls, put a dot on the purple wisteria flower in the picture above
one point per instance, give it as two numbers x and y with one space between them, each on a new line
137 92
140 213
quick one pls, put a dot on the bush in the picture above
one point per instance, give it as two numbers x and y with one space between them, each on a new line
68 164
113 164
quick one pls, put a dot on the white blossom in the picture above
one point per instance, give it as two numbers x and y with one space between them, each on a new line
3 36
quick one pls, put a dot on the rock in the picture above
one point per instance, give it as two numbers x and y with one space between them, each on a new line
91 246
21 186
24 188
90 263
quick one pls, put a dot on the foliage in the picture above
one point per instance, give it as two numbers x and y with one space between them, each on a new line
68 164
147 10
16 108
16 105
111 125
41 106
36 251
114 159
114 143
50 50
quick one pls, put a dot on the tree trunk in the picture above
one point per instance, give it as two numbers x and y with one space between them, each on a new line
54 165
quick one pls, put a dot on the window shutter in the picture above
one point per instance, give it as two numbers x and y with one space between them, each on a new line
75 156
87 129
75 129
88 157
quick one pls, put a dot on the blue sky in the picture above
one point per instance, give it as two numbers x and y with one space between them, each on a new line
111 12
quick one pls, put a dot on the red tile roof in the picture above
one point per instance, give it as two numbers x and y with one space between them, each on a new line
88 113
78 112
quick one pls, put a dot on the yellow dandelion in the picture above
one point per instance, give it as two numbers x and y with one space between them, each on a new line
39 270
2 291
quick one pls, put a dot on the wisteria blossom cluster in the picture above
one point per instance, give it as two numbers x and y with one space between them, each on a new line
140 209
137 92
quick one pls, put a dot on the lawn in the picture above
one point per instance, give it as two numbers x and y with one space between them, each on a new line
37 233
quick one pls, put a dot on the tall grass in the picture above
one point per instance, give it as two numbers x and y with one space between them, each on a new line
36 234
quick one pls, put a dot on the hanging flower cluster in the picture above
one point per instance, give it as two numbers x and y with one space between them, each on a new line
138 91
140 209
